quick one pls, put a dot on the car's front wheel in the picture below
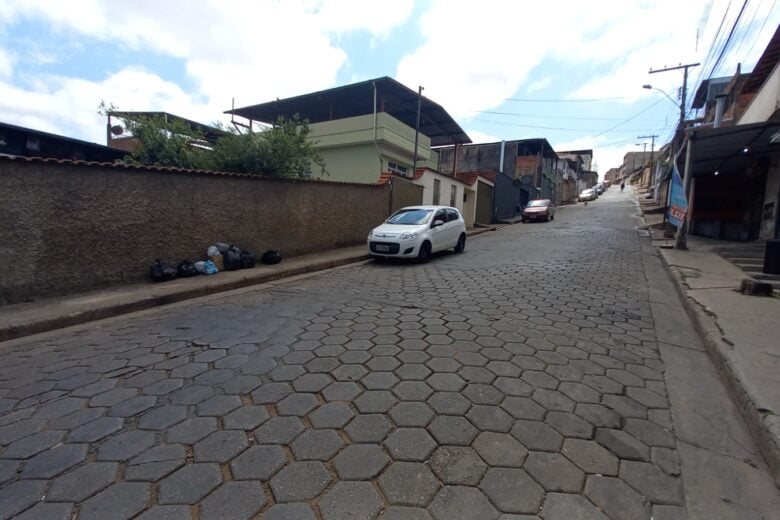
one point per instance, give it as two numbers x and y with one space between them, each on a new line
424 255
461 245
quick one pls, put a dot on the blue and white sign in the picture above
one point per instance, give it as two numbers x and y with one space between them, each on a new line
678 203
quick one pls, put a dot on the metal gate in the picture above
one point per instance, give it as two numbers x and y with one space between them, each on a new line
484 203
404 193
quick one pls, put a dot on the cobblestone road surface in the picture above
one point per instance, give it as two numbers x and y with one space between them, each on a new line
518 380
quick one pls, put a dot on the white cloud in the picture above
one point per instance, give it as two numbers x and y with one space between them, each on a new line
253 51
481 137
342 16
606 154
474 58
664 35
69 105
6 64
539 84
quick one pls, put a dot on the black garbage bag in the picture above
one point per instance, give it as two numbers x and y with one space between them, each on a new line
247 259
186 269
232 259
222 247
162 271
272 257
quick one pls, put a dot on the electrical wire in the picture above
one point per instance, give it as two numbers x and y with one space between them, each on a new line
740 40
761 30
561 129
728 39
547 117
564 100
629 119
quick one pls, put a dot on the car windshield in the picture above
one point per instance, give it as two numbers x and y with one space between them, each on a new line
410 217
538 203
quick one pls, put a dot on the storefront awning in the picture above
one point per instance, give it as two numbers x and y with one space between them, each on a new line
731 150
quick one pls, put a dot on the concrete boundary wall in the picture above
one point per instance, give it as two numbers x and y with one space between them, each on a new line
68 227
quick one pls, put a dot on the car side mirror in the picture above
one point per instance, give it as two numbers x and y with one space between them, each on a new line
437 223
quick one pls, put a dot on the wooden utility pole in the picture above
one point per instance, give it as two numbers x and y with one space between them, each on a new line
684 91
682 231
652 151
417 129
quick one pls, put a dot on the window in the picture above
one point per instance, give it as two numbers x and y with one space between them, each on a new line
453 194
409 216
452 215
436 191
440 215
397 168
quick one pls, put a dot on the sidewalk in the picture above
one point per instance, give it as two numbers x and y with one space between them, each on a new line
54 313
741 334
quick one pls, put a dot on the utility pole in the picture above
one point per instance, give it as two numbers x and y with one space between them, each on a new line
417 129
652 153
682 231
683 94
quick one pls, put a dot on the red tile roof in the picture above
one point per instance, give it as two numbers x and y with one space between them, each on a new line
166 169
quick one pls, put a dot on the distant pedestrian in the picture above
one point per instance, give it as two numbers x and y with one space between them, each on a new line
622 186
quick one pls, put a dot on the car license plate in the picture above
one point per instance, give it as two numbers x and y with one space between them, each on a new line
383 248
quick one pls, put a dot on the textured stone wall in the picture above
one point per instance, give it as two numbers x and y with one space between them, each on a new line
67 228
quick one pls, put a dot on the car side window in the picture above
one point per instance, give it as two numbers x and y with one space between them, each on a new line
452 215
440 215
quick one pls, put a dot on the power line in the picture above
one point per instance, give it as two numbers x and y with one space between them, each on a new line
705 18
755 40
564 100
741 39
547 117
629 119
728 39
506 123
713 46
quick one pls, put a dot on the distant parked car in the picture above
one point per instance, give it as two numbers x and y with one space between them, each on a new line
418 232
607 184
599 188
586 195
540 209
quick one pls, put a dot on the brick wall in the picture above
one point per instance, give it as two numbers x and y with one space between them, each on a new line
73 227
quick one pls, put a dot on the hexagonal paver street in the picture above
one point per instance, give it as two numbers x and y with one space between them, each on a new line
522 377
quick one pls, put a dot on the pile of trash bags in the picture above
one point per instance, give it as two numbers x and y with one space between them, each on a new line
221 257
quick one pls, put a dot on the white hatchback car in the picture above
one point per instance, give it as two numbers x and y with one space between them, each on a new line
418 232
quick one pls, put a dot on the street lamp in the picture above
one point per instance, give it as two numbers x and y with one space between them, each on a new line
650 87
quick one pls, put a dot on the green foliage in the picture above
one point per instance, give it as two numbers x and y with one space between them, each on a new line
283 150
167 143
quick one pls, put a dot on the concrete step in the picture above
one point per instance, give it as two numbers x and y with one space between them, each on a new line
767 277
754 263
744 258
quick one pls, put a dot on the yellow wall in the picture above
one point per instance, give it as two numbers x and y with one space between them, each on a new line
347 146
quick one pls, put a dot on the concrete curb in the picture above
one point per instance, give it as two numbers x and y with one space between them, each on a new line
764 425
205 286
36 326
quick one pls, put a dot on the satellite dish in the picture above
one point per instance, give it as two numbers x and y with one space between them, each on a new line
117 130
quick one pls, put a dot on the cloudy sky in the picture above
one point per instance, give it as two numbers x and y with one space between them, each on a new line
570 71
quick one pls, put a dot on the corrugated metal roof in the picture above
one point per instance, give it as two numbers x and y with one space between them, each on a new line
357 99
766 64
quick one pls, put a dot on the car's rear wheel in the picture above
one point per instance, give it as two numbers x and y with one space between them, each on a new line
424 255
461 245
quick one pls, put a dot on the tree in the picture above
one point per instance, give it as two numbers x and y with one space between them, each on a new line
283 150
167 143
